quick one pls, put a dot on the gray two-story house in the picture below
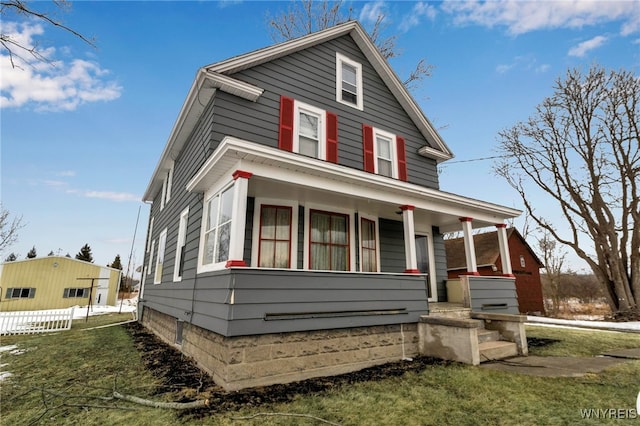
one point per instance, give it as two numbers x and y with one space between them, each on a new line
296 219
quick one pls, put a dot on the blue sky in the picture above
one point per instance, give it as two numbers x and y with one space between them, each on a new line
81 139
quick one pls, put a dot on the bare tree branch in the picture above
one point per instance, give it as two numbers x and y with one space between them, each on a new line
8 228
581 149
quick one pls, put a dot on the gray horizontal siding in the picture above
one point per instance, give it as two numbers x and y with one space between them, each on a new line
273 301
488 294
392 256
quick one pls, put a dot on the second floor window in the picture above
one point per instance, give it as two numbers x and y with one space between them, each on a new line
348 82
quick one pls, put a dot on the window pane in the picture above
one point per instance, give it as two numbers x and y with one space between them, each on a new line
348 74
226 206
384 148
384 167
319 227
267 254
283 224
319 256
339 230
349 97
308 125
268 222
368 234
212 210
282 254
224 237
338 258
308 147
209 246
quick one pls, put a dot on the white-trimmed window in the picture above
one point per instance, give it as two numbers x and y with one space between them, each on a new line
369 245
348 82
309 131
153 247
385 153
166 187
180 246
149 235
75 292
216 232
162 243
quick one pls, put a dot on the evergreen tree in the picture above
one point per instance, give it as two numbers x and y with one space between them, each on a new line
32 253
11 257
50 253
68 255
85 254
116 264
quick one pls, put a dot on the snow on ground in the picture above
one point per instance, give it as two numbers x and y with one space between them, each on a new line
632 326
124 306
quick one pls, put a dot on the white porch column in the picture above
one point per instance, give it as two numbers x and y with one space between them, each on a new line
239 215
469 246
505 256
409 239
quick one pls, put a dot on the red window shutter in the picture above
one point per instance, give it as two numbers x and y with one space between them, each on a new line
332 137
367 145
402 158
285 137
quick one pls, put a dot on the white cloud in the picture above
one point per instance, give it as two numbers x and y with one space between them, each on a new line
525 62
542 68
420 10
105 195
371 11
52 85
524 16
583 48
66 173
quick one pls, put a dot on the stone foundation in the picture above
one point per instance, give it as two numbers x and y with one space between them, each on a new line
259 360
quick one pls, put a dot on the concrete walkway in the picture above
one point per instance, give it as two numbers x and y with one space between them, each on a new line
561 366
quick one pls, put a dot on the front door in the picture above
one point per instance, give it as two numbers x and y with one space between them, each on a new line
422 258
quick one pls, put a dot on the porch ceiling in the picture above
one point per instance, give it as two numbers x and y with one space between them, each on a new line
280 174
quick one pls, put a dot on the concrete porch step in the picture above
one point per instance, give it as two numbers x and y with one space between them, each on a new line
497 350
449 310
485 335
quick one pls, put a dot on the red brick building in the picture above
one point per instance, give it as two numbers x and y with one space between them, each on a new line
524 262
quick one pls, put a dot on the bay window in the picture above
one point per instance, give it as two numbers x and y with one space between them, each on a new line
217 227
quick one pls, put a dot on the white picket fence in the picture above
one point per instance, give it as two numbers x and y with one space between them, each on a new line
32 322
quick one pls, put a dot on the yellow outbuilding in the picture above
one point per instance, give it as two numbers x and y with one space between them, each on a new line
55 282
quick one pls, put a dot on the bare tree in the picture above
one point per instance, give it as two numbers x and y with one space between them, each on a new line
9 228
581 148
553 258
307 16
20 9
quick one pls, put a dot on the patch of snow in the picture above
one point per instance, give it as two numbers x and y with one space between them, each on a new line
633 326
4 375
8 348
123 306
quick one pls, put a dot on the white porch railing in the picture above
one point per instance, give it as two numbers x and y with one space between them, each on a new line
31 322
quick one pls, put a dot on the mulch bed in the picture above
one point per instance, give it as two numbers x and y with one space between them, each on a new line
624 316
184 381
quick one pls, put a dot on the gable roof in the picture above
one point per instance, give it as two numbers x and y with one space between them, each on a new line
487 249
56 258
217 76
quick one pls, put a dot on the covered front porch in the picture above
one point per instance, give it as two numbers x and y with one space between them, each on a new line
374 224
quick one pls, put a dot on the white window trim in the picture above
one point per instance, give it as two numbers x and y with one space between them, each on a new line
255 238
164 193
322 124
162 246
169 182
331 209
377 229
153 248
182 236
340 59
150 234
214 266
394 151
426 230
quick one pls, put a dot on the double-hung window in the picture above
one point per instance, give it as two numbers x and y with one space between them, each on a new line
162 242
275 237
76 292
384 153
178 267
328 241
309 131
217 228
348 82
368 245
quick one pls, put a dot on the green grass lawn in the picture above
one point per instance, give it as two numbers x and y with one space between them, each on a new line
67 377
